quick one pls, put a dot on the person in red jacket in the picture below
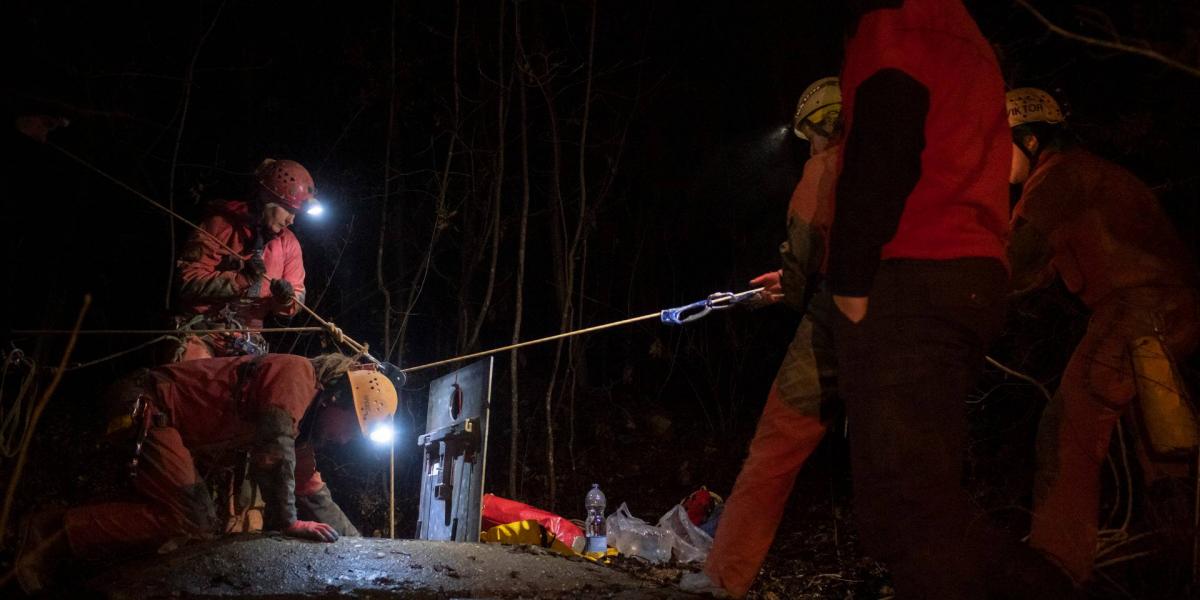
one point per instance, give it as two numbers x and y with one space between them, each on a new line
793 422
1100 230
918 276
201 415
219 290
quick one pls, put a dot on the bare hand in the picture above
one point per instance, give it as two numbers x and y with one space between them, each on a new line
311 530
772 288
853 307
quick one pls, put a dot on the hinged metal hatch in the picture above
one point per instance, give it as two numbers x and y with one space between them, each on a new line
455 451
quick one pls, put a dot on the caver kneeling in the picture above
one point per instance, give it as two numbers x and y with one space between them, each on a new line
274 407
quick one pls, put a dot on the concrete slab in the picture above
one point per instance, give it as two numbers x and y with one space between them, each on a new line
265 566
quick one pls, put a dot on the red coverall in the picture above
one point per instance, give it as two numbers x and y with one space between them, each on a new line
1101 230
791 425
210 279
213 410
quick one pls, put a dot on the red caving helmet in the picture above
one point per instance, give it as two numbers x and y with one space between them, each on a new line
288 181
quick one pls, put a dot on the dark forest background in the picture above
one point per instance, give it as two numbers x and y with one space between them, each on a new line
639 152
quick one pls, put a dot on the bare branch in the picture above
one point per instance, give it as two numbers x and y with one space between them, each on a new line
1121 47
183 112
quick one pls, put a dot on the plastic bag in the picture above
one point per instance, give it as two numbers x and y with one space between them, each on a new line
690 542
632 536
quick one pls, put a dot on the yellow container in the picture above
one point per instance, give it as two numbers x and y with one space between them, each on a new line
529 533
1167 416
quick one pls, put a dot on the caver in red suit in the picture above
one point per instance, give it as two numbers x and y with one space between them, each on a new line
793 422
264 277
208 412
1101 230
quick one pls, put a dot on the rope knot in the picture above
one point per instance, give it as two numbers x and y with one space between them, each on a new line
336 332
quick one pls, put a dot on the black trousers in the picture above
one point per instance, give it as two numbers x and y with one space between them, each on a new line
905 372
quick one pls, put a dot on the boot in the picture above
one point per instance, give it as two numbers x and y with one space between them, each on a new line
700 583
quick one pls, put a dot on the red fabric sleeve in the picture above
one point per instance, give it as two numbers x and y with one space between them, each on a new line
293 272
203 266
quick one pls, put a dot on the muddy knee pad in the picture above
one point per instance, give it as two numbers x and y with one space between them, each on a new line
273 468
199 516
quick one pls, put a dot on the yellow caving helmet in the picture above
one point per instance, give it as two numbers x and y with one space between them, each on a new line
820 101
375 401
1031 105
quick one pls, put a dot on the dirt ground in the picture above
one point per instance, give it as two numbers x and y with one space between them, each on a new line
267 566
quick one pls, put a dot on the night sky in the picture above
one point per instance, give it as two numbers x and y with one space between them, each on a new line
688 169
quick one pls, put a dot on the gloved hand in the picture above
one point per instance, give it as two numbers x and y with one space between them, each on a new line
311 530
254 268
283 291
772 288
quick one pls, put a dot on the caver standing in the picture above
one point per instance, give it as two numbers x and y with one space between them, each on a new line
1100 230
793 422
918 276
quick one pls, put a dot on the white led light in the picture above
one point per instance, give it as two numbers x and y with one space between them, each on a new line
382 434
315 210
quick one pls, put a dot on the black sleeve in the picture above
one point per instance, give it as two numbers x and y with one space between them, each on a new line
881 164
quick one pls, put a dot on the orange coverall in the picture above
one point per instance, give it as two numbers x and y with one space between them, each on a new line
210 280
1101 230
791 425
211 411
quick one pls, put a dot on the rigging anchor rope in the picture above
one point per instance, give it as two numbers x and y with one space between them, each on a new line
673 316
338 335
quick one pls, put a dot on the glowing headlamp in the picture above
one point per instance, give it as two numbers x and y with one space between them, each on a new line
314 208
382 434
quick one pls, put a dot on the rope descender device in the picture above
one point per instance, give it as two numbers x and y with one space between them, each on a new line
699 309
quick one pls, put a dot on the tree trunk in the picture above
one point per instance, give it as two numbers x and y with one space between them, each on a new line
519 304
380 281
501 121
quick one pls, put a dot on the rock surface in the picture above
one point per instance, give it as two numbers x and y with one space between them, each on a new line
258 566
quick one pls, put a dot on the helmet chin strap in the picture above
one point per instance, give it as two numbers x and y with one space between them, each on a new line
816 128
821 131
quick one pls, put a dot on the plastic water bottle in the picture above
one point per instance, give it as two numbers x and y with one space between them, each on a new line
597 541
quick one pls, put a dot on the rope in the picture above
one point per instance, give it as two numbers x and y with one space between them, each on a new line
14 415
647 317
139 194
678 316
337 334
170 331
19 468
1021 376
673 316
114 355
